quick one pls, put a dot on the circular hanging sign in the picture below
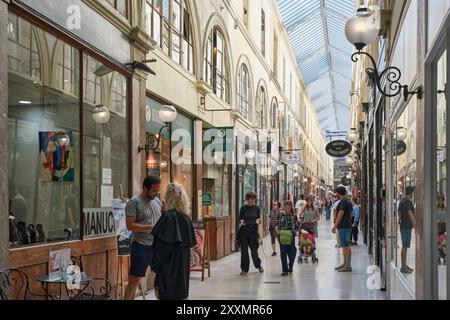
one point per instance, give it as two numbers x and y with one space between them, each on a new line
339 148
401 147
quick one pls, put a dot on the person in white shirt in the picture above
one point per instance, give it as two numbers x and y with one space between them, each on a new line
300 206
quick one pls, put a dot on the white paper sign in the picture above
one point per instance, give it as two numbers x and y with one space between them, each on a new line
107 193
107 176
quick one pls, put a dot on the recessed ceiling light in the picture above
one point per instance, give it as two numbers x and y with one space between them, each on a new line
24 102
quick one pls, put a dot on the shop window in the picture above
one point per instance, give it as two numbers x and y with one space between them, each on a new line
119 5
177 142
216 64
261 111
104 145
169 23
45 137
244 93
43 141
405 195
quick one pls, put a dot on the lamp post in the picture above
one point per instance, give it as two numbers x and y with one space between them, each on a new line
362 30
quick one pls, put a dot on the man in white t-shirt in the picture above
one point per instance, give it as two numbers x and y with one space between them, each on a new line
300 205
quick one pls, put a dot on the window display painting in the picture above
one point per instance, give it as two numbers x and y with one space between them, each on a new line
56 159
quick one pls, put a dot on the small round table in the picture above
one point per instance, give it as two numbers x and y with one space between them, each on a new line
84 284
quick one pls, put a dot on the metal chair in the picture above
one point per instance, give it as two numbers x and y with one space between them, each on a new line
104 291
15 285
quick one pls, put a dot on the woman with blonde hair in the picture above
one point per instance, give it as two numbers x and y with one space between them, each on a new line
173 239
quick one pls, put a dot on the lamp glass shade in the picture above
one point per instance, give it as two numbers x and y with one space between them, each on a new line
250 154
305 180
352 136
101 114
361 30
402 133
163 164
167 113
349 161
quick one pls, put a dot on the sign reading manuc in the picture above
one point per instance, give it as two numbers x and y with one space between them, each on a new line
338 148
98 222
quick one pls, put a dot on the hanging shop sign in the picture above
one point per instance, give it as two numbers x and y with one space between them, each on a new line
338 148
98 222
401 148
292 159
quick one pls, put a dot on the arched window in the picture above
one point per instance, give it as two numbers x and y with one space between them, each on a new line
67 65
244 93
216 62
274 114
169 23
261 109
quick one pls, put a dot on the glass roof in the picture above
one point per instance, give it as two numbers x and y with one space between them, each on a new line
316 32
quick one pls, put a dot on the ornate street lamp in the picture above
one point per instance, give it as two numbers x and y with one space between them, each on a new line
353 136
362 30
167 114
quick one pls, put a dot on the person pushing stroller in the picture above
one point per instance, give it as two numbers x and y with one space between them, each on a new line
308 222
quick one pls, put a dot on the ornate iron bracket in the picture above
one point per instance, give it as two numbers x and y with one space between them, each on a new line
392 76
153 141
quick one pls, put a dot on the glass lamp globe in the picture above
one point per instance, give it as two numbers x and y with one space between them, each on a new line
163 164
305 180
101 114
349 161
250 154
352 136
361 29
167 113
280 167
402 133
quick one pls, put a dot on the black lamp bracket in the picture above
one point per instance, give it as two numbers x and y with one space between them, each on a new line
153 141
392 75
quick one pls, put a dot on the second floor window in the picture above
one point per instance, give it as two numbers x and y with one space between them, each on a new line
244 92
120 6
168 22
261 113
263 32
216 63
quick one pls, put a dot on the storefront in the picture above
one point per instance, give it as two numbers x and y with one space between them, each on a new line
68 146
180 167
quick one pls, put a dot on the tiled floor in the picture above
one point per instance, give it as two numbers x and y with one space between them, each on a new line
309 281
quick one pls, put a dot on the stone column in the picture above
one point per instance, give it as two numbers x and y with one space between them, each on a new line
4 230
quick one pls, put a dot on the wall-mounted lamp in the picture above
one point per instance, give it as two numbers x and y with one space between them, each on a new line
362 30
353 135
402 134
167 114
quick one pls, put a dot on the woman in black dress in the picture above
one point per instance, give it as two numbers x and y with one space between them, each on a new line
250 218
173 239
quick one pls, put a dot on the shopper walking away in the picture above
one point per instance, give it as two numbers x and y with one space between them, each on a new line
406 222
343 226
142 213
286 228
355 222
271 227
174 237
328 206
250 218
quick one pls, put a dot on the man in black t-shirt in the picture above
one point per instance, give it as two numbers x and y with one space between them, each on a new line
407 222
343 226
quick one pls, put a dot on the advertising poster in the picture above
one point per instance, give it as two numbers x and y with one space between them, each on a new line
55 154
123 235
199 251
57 260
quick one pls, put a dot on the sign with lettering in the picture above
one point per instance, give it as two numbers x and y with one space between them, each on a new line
200 253
338 148
292 158
98 222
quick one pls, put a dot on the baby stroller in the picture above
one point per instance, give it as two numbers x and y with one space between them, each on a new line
307 243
